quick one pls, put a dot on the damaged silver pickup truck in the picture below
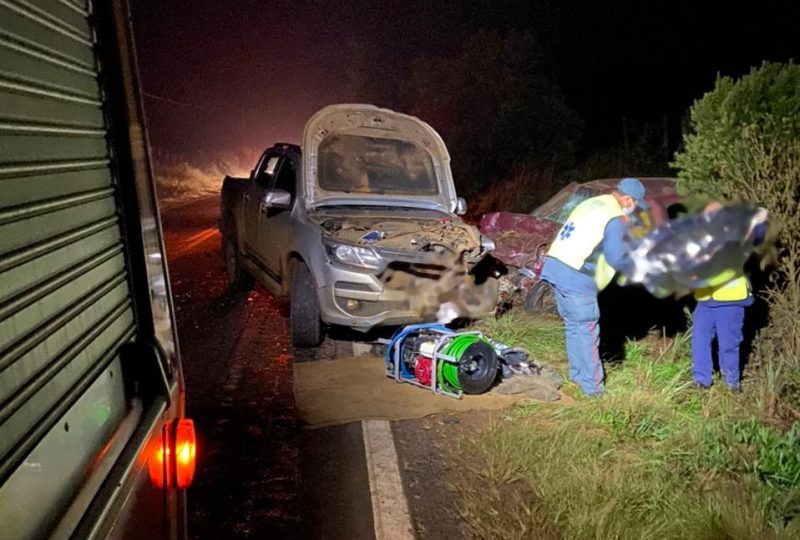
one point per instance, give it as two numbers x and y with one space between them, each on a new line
359 228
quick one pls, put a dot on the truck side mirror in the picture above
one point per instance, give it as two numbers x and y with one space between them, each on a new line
276 198
461 206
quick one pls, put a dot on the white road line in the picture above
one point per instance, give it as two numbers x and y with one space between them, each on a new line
389 505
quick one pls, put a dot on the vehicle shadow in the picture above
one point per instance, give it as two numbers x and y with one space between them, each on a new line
341 342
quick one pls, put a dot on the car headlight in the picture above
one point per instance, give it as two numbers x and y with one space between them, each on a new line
353 255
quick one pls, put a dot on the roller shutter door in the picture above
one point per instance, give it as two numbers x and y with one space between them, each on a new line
65 303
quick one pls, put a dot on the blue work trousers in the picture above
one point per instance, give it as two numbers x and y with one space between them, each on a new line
581 315
726 323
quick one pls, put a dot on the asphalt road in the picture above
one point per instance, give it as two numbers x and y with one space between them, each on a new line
237 367
260 473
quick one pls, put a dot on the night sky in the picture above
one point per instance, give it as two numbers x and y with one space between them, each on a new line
220 75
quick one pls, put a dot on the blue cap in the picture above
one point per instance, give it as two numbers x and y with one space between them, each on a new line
633 187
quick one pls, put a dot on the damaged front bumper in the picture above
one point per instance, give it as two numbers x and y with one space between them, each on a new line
406 290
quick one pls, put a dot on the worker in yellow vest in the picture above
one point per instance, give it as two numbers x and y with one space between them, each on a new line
581 261
720 312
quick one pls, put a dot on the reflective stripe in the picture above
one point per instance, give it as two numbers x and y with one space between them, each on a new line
731 290
583 232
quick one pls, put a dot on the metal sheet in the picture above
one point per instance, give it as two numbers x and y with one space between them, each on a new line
56 465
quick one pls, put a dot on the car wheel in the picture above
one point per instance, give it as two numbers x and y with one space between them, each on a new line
540 299
238 278
304 315
477 369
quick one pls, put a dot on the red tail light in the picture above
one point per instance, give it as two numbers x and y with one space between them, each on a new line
172 462
185 452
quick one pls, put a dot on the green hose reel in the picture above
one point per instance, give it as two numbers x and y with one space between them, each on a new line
448 371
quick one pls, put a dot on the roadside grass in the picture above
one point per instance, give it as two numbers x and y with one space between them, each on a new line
543 336
653 458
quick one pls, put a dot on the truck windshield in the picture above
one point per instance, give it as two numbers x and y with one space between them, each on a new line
361 164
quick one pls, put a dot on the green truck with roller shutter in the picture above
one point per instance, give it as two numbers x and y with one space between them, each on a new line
93 443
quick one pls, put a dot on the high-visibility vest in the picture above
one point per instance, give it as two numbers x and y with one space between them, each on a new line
603 273
583 232
728 286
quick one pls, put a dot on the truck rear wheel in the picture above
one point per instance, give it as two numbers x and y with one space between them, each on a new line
238 278
304 315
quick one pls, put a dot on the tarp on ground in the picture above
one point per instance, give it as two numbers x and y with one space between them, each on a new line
351 389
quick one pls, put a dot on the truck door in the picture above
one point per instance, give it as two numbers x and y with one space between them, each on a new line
253 195
275 224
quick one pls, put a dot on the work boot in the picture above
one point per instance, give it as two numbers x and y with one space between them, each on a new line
699 386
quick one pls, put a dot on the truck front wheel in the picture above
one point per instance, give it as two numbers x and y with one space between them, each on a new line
304 316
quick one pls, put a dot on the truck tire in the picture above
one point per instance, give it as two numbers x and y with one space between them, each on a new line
540 299
304 315
238 278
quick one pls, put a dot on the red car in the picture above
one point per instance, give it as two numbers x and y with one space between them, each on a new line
522 240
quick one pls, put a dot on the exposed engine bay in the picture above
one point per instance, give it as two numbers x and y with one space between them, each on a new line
406 235
450 281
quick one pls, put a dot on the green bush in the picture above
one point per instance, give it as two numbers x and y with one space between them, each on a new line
744 145
717 151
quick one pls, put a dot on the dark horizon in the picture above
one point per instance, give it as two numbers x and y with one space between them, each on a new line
220 77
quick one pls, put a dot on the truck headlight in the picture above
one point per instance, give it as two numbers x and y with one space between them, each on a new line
353 255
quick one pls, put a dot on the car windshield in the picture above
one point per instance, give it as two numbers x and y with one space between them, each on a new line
559 207
361 164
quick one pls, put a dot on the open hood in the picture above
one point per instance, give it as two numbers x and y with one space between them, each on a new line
356 154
